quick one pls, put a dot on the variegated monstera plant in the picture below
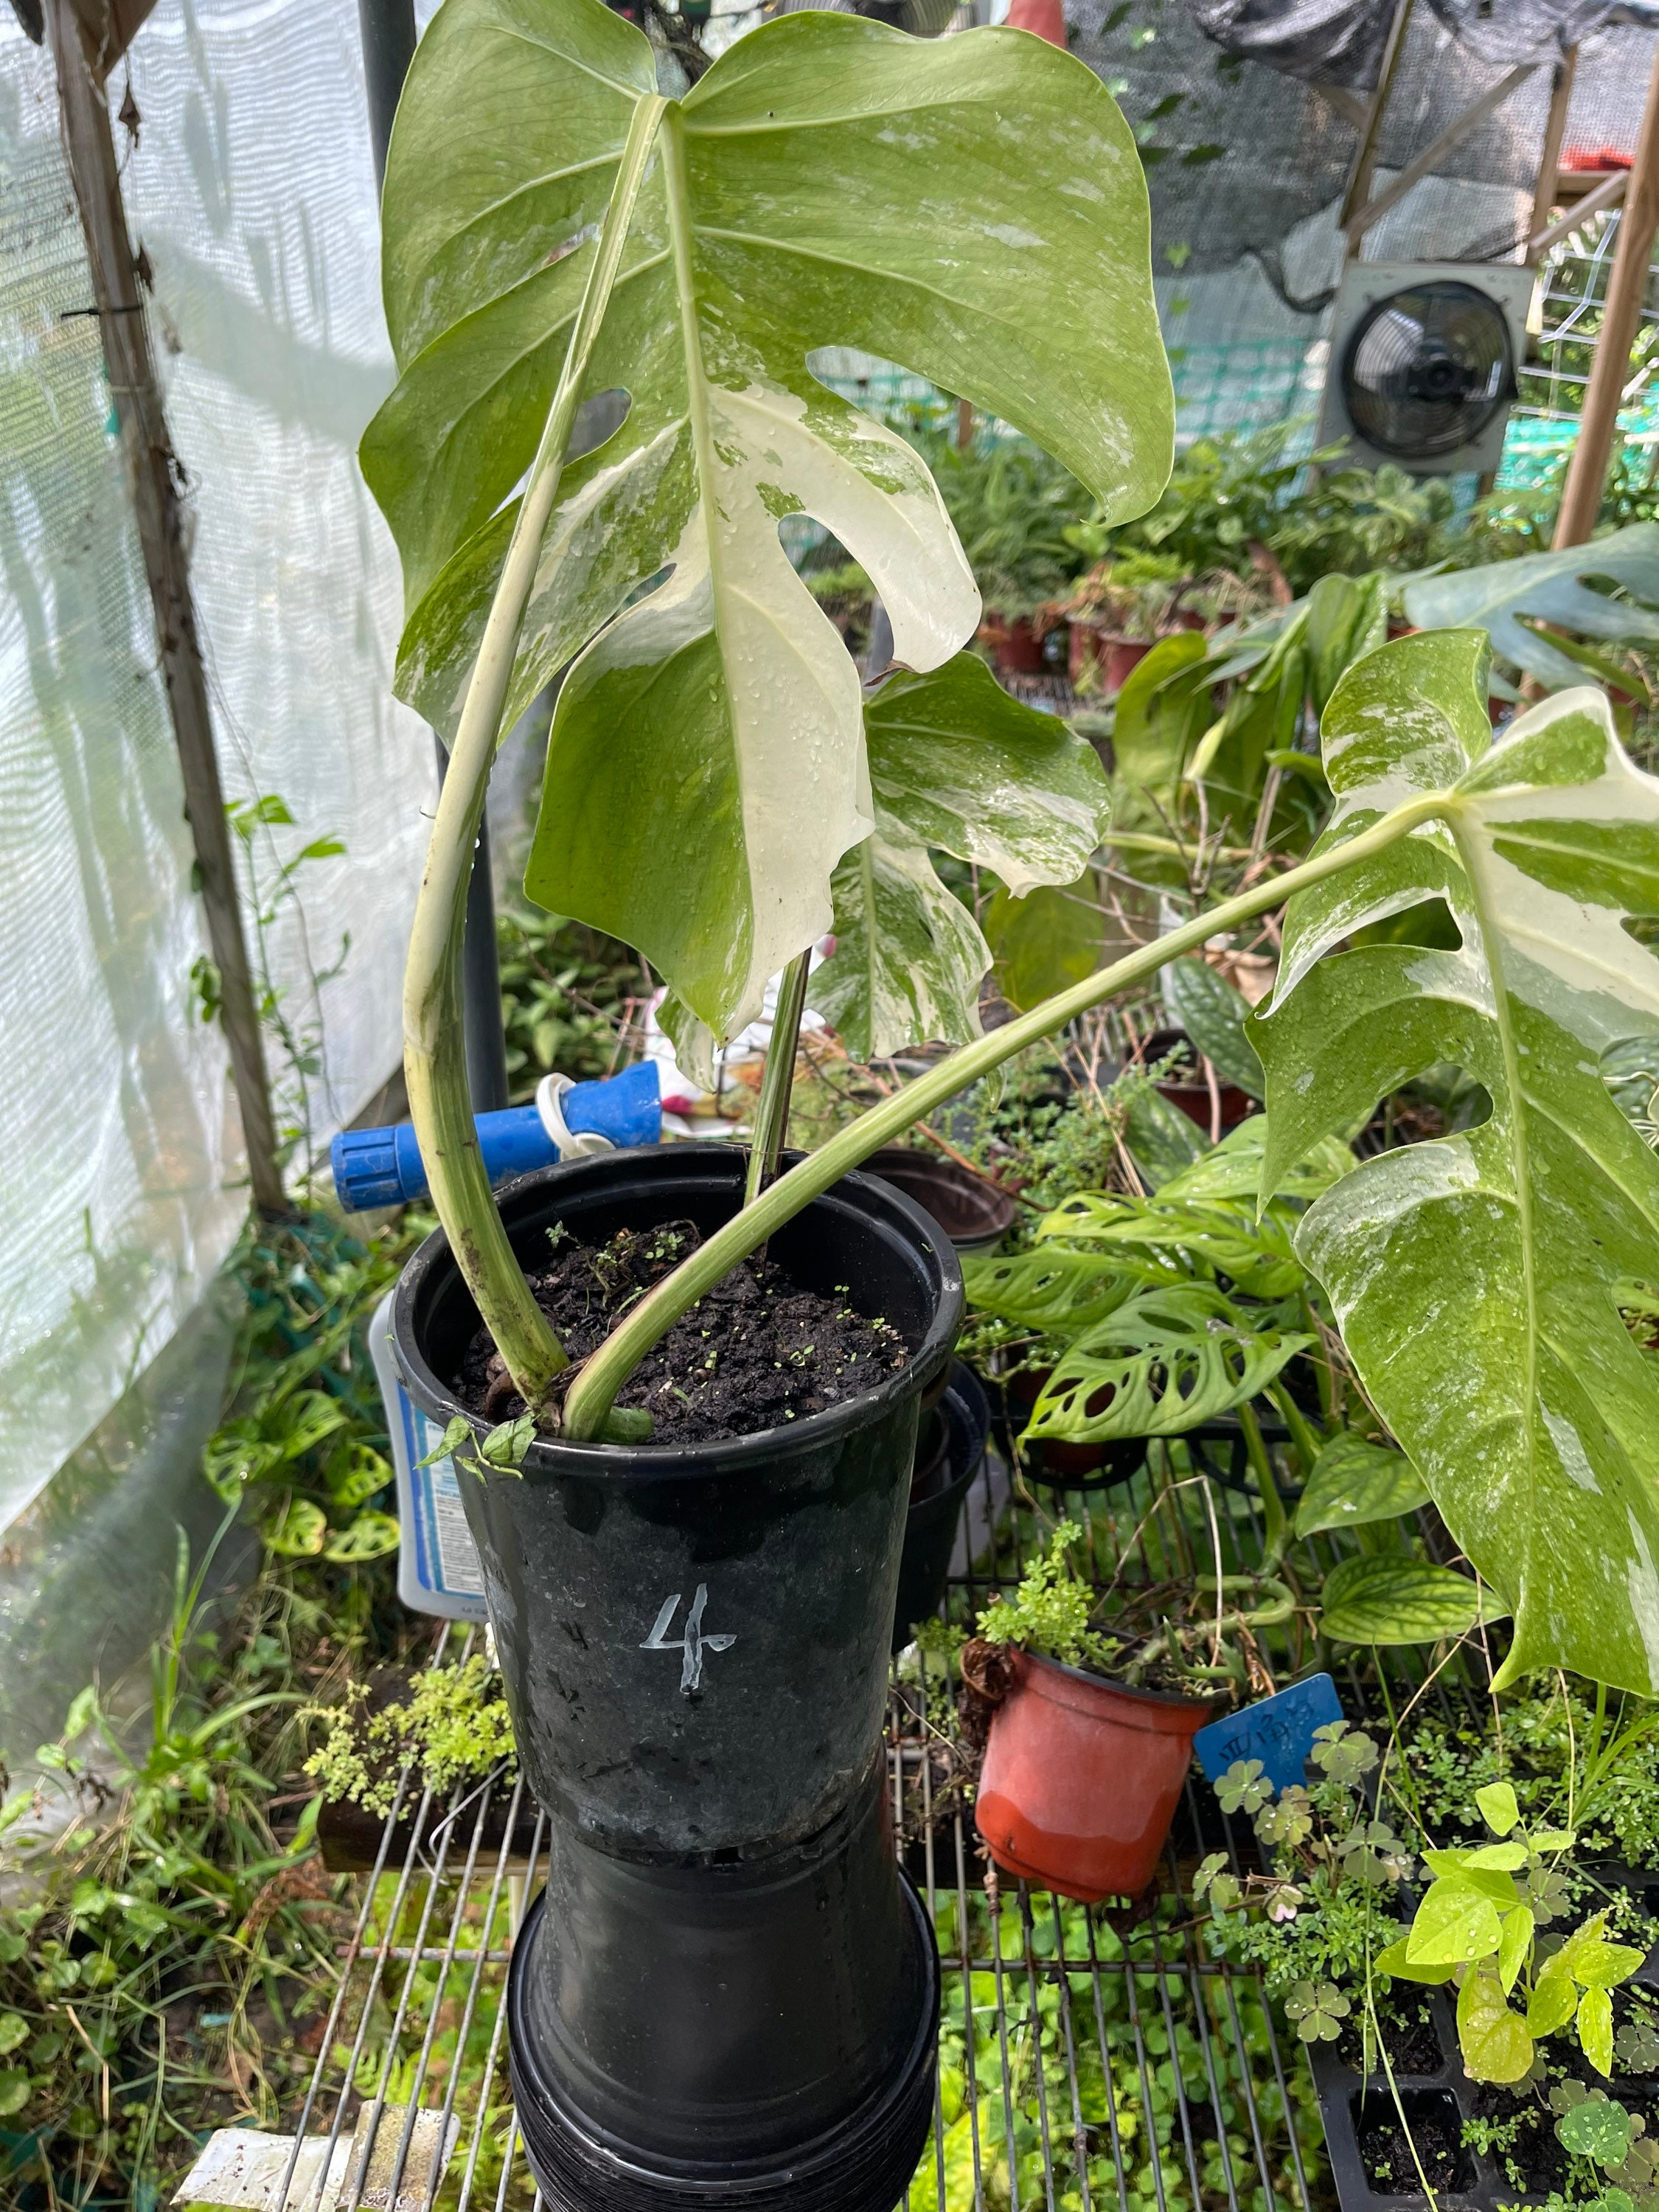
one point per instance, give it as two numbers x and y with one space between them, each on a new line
719 790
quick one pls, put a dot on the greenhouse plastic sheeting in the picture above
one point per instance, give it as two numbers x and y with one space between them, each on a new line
252 188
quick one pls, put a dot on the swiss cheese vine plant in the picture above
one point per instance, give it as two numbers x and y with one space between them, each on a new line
718 789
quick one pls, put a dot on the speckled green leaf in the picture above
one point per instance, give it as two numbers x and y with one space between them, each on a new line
959 765
1213 1015
1383 1598
1476 1278
1353 1483
829 182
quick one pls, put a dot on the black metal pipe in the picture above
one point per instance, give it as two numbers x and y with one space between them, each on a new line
387 29
388 36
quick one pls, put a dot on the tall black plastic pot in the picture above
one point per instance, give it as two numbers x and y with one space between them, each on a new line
727 1995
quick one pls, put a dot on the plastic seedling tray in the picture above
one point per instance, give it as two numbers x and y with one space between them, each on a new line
1349 2103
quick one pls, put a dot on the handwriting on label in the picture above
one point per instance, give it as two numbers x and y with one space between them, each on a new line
692 1644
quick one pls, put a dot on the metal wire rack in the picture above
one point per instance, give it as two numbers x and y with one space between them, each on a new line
1090 2057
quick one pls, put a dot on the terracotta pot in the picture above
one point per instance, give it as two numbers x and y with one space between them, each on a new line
1193 1098
1015 644
1114 657
1081 1779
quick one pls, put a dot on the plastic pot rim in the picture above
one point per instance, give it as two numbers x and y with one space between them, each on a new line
1171 1700
552 1457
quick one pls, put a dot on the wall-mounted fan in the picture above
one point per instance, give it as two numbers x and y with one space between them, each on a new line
1422 362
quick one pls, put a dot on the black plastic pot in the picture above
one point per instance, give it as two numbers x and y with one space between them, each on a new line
972 1214
729 1996
930 1527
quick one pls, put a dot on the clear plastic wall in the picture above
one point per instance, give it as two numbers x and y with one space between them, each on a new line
249 182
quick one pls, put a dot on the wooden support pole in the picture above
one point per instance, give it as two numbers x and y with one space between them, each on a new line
1549 158
1598 425
1365 160
152 467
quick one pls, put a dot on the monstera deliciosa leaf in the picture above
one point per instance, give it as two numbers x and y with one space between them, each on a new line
972 208
1505 596
959 765
1478 1279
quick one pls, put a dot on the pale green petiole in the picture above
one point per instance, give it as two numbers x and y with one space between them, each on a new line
595 1389
440 1104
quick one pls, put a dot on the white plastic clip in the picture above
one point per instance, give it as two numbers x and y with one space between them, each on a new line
549 1094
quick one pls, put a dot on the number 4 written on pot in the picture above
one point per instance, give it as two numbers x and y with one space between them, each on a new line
692 1644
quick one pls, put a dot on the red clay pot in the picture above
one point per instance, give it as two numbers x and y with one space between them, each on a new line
1193 1098
1081 1779
1015 644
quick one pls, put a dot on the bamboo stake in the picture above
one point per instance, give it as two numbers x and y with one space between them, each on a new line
1598 425
152 468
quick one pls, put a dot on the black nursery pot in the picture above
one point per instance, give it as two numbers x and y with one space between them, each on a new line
930 1526
727 1995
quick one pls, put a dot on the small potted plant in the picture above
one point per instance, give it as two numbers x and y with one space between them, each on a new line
1089 1735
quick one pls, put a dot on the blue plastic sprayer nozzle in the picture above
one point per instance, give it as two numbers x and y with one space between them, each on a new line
383 1167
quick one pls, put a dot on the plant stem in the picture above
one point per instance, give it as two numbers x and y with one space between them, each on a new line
1275 1522
603 1374
772 1110
440 1102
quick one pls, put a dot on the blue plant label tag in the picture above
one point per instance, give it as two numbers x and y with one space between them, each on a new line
438 1570
1278 1731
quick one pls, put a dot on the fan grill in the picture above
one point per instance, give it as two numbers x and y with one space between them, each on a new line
1427 368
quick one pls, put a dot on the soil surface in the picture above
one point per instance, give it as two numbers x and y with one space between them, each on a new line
1392 2170
753 1354
1408 2031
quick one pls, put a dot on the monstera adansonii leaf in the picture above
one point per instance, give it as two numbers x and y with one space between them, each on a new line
1551 588
972 208
959 765
1478 1279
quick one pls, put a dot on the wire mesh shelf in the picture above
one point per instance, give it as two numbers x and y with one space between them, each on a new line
1090 2056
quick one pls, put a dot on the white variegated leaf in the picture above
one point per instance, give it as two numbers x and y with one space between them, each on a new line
829 182
909 957
1478 1279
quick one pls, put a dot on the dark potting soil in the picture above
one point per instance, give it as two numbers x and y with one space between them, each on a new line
1387 2155
1407 2028
754 1354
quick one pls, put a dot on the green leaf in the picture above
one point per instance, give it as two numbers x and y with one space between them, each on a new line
1232 1169
1595 2029
1552 2003
1169 1357
1163 1140
1395 1960
1164 707
508 1442
1519 1928
1550 588
13 2028
1044 942
13 2090
1355 1482
706 767
1499 1807
1052 1288
1598 2129
1602 1965
1476 1279
1455 1923
369 1536
455 1435
959 765
1382 1598
1510 1857
297 1531
1255 1253
1213 1015
1494 2041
